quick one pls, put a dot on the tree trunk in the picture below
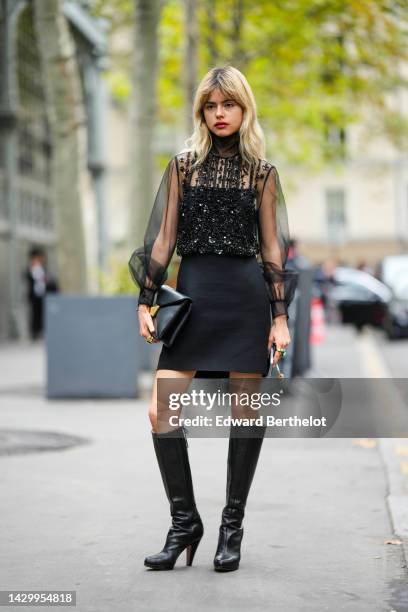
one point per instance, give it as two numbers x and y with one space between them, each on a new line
66 115
190 60
211 7
143 116
237 23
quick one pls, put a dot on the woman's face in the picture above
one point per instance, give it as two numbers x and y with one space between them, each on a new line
223 111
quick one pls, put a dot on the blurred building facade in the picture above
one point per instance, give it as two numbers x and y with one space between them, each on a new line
26 203
356 209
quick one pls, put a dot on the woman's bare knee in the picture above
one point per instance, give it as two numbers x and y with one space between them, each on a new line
184 377
244 386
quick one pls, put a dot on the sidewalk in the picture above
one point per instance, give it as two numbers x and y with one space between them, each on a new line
85 517
373 359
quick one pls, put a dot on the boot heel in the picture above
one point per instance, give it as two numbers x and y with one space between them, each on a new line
191 551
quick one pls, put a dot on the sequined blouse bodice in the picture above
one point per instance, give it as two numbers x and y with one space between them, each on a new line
217 220
218 210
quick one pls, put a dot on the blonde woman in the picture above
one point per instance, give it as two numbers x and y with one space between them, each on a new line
220 205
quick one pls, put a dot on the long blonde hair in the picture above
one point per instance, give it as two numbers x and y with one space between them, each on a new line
232 84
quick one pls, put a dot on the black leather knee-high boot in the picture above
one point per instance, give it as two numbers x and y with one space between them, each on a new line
187 529
243 454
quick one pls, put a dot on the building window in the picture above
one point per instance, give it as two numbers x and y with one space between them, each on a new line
33 131
334 141
336 216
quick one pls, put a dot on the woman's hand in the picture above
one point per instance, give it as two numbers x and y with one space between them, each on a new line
279 335
146 325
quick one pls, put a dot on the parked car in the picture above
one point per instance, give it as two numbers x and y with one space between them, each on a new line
360 298
393 272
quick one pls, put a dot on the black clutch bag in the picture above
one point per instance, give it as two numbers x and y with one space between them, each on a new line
169 313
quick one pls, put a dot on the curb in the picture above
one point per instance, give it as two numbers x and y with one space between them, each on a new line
393 451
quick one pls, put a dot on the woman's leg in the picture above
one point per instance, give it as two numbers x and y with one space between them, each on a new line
170 445
159 405
243 452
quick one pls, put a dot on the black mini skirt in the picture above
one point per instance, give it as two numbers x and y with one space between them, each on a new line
230 319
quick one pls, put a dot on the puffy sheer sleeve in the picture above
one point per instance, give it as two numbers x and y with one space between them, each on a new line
148 263
274 239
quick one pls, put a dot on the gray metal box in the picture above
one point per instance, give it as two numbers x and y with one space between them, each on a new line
93 346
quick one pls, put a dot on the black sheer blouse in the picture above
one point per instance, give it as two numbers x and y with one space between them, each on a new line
225 206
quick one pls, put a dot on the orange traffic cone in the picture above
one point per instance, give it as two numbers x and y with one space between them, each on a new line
317 322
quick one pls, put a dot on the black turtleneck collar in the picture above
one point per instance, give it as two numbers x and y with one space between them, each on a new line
225 146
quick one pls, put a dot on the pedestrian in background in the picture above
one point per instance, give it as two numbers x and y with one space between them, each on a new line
39 283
